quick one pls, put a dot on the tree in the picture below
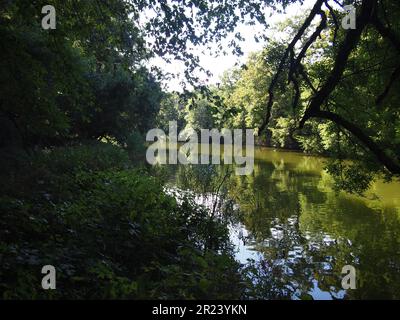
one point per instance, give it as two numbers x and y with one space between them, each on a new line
376 25
172 108
101 90
104 45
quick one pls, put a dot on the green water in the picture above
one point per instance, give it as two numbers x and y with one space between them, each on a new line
299 231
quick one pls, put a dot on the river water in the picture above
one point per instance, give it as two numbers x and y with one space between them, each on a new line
298 231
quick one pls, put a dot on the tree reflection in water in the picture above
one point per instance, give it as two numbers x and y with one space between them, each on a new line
296 233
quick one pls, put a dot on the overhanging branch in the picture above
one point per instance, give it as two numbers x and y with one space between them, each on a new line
380 154
351 39
315 10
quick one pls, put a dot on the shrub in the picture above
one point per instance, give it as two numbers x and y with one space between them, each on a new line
110 233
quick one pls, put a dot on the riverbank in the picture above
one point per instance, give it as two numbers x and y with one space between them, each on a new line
110 231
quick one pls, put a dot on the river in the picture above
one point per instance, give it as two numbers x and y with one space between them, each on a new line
297 232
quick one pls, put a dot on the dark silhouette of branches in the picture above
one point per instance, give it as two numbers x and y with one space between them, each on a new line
367 17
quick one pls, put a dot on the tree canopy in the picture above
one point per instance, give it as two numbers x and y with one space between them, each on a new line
327 90
77 100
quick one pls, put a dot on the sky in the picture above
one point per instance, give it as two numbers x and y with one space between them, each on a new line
217 65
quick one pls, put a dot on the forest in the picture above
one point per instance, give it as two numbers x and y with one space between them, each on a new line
78 100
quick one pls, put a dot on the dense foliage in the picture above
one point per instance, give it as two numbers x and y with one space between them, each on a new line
84 80
75 103
280 91
112 232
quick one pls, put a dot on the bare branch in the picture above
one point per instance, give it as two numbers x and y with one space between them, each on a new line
303 28
349 43
386 32
335 20
372 146
395 75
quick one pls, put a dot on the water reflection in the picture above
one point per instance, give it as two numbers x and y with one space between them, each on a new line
294 234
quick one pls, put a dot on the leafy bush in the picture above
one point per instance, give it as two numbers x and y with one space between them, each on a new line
110 233
135 146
